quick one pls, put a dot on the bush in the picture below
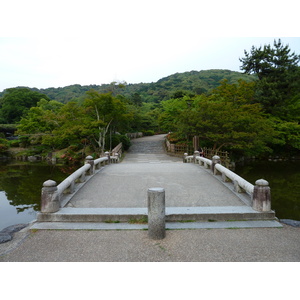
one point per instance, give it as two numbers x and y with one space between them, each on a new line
148 132
116 139
14 143
125 141
71 156
3 146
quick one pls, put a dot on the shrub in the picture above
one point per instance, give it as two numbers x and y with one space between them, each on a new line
148 132
116 139
125 141
3 146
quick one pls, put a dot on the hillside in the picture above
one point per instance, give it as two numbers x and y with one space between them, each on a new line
195 82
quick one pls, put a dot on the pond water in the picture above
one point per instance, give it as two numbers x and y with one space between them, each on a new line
284 181
21 183
20 189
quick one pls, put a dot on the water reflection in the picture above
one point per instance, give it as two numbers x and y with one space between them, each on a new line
284 180
20 189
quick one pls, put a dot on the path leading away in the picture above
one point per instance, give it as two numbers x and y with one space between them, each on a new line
146 165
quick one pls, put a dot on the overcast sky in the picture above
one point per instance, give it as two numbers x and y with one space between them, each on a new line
58 43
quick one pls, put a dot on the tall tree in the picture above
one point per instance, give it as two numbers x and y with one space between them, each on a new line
104 110
278 72
225 125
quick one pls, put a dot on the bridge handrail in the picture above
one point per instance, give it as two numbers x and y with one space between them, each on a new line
70 180
97 161
259 194
52 194
79 174
238 181
244 184
117 150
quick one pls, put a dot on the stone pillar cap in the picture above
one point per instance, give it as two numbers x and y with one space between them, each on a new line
49 183
156 189
262 182
89 157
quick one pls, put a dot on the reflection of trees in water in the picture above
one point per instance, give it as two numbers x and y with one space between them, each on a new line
23 183
284 180
23 208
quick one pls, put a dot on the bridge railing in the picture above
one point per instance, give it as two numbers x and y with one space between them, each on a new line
117 151
56 196
259 194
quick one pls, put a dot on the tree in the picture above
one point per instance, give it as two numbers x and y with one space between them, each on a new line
40 118
71 126
136 99
103 111
171 109
239 93
279 77
16 102
225 125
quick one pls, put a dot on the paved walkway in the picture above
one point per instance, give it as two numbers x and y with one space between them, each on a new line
146 165
201 245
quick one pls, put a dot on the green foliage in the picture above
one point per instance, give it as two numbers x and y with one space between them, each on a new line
245 114
16 102
105 111
224 119
191 83
288 132
148 132
72 155
4 145
41 118
224 124
57 126
125 141
278 87
115 139
7 129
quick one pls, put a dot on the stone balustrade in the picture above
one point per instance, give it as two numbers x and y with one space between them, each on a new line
53 195
260 193
117 151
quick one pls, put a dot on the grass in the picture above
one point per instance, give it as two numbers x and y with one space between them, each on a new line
110 221
142 220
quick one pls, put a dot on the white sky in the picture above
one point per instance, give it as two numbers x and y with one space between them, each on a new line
58 43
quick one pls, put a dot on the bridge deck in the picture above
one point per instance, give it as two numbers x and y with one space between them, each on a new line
146 165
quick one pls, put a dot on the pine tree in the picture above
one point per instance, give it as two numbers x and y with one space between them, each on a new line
279 78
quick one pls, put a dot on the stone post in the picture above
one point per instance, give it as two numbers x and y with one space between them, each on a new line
184 157
156 213
196 153
261 196
215 160
196 142
108 156
49 199
89 160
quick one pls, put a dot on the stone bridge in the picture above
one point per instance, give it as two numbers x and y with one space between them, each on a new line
115 196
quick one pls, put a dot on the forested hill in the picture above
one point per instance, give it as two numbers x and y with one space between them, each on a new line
194 82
